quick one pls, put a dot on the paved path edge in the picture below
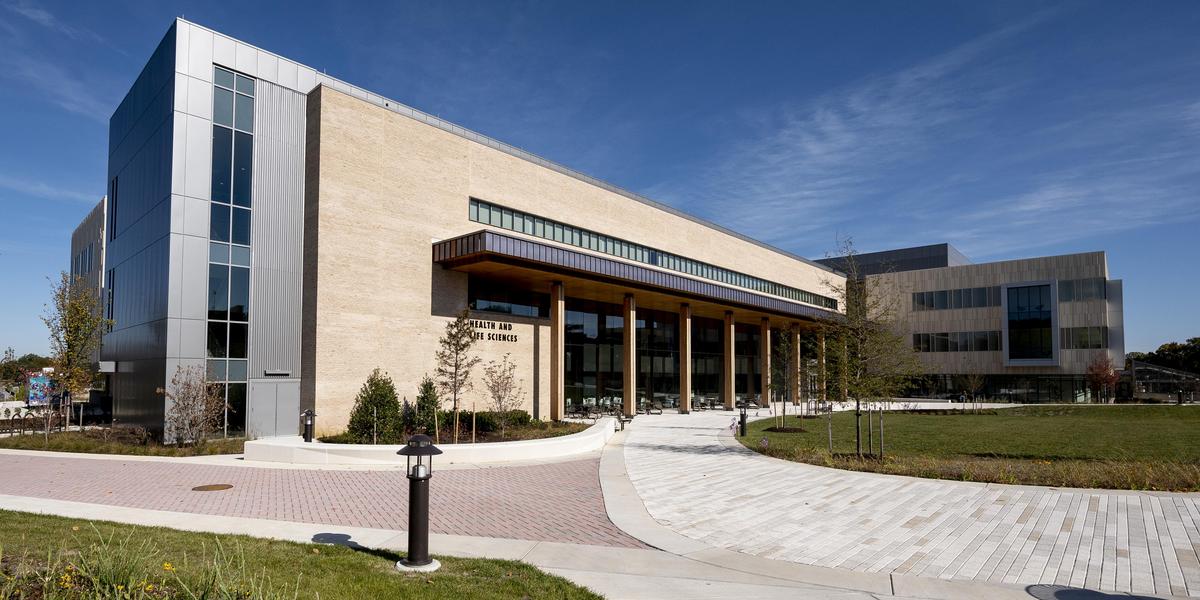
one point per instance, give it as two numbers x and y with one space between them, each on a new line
629 514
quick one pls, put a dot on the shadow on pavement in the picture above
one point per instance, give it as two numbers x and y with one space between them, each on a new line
341 539
1058 592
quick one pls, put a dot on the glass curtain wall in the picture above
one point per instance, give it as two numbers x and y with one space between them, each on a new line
593 374
1029 323
658 357
229 241
747 370
707 358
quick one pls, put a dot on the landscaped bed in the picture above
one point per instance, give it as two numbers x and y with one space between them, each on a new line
54 557
117 441
1115 447
524 430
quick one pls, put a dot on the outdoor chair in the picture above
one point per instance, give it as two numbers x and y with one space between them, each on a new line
654 407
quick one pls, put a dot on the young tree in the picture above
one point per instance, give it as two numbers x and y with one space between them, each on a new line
783 379
195 408
75 323
376 413
427 407
455 362
505 392
876 360
1102 376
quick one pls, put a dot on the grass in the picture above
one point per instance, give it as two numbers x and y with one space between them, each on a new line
116 441
58 558
1114 447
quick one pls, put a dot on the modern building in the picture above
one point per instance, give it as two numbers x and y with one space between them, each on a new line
290 232
87 253
1027 330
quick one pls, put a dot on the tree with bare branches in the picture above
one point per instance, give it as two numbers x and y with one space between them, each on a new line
455 362
876 360
195 408
505 392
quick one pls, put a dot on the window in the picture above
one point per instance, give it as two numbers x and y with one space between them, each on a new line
1029 323
490 214
229 241
110 282
218 224
112 210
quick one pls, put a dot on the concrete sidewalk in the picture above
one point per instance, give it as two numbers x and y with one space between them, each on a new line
617 573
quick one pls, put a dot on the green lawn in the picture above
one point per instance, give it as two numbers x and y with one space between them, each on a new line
116 441
54 557
1123 447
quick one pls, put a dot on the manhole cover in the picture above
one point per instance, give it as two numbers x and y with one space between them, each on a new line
212 487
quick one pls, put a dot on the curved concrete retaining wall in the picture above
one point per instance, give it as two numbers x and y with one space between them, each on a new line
293 450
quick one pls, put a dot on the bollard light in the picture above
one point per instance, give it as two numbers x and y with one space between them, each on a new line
421 449
742 422
309 418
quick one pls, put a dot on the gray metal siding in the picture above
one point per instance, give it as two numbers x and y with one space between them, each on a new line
277 230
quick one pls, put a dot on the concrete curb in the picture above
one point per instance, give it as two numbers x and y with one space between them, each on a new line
293 450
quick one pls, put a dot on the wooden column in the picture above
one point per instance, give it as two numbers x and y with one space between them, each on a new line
822 388
728 371
764 362
793 334
558 321
629 357
685 358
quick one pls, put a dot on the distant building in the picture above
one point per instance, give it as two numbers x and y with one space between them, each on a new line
1031 326
87 253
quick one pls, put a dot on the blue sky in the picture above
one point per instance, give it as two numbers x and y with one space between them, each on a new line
1010 129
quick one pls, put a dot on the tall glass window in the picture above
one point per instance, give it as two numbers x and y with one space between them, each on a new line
593 369
747 371
229 241
1030 332
708 356
658 357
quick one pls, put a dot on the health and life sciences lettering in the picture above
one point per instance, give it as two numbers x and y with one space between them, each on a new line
484 331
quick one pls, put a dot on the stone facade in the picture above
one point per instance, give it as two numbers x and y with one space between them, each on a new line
1103 312
381 187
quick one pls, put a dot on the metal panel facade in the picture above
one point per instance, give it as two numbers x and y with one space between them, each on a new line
277 231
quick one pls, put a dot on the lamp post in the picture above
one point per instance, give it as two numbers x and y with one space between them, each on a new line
421 447
309 419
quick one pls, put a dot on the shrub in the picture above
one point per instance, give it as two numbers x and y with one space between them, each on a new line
425 417
376 415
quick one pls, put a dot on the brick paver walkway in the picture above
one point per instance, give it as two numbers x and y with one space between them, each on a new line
559 502
1120 541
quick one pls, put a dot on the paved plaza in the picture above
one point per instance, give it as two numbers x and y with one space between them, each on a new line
694 479
673 508
553 502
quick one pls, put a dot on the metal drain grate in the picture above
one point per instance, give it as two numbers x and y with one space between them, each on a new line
212 487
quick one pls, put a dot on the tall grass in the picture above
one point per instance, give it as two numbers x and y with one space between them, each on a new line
132 568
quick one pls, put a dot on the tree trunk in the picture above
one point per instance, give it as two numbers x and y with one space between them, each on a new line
870 428
881 434
829 425
858 427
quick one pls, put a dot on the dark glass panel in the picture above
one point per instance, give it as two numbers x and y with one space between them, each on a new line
218 292
241 227
218 224
237 340
236 409
218 340
222 163
243 163
239 294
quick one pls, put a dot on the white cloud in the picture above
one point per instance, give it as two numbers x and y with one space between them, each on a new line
47 19
41 189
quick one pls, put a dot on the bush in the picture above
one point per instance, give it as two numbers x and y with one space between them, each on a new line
376 415
490 421
425 417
